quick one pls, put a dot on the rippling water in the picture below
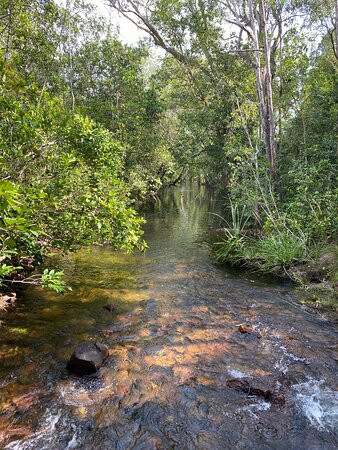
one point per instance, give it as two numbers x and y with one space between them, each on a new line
180 374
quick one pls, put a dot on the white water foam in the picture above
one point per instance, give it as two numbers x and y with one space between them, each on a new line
286 359
45 434
256 407
237 373
73 443
318 403
261 406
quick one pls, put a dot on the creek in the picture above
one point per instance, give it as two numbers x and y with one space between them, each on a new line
179 373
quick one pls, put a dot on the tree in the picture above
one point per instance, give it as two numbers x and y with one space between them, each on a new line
259 24
263 29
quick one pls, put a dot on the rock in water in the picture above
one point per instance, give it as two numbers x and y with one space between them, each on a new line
247 329
87 358
261 388
250 388
110 307
243 328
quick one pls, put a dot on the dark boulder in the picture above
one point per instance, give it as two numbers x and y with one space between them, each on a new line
87 358
248 387
110 307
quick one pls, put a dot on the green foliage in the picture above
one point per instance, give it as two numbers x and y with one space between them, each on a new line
111 91
63 179
19 240
70 170
17 235
53 280
312 199
231 250
276 249
6 270
309 171
280 251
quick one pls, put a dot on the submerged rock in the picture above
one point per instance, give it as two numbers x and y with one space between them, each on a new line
259 388
247 329
110 307
87 358
244 385
7 300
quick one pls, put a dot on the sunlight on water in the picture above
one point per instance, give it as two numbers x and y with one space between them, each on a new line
44 436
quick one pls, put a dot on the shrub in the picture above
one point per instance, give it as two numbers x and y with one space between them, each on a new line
279 251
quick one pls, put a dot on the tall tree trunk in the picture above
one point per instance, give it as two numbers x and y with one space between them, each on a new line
269 117
260 79
264 82
280 131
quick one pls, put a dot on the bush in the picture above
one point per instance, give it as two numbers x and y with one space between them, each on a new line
278 252
19 241
231 250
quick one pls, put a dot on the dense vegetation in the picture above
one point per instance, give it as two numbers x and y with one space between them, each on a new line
79 140
244 99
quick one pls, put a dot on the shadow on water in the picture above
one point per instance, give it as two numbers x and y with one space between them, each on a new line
180 374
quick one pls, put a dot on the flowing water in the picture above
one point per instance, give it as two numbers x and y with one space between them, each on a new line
179 373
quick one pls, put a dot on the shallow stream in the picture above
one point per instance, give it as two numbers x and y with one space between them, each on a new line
180 375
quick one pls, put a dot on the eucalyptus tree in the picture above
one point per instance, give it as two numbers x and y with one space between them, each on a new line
199 33
194 33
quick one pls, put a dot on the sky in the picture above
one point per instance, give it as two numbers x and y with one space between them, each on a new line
129 33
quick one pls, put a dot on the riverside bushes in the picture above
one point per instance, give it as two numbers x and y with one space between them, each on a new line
76 121
61 185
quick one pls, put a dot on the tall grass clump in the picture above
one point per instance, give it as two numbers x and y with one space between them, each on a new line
278 252
232 246
274 250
